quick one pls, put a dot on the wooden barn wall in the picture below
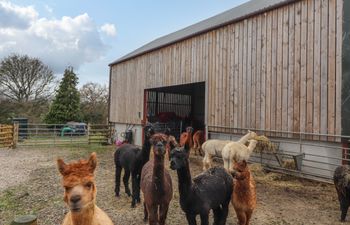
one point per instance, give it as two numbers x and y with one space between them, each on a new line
280 70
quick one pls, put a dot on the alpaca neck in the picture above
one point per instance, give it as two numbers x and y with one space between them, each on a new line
190 140
244 139
158 173
185 182
85 217
251 147
146 147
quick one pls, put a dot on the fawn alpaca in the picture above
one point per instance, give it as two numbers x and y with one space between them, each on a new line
244 195
235 152
214 147
156 183
198 139
80 193
186 137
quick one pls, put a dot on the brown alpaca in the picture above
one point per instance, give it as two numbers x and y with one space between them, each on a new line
198 140
244 194
171 143
156 183
80 193
186 137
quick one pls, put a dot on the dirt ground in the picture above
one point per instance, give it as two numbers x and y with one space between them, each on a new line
30 183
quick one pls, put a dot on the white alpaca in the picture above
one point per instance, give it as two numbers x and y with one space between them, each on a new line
214 147
236 152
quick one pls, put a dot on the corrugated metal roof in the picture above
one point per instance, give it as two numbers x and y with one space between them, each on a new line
238 13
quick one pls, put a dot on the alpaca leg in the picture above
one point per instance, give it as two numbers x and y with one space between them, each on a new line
248 216
135 185
126 181
344 206
217 216
241 217
118 171
191 219
205 162
205 218
163 211
195 147
224 213
226 163
145 212
153 215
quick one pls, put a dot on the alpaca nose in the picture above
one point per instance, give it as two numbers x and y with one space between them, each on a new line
159 144
75 198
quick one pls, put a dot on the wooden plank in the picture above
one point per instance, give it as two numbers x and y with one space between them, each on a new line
338 82
240 77
331 68
303 66
253 75
274 71
279 74
268 71
231 61
217 78
248 90
317 69
236 109
291 62
258 94
212 103
324 69
263 97
285 70
296 85
244 76
310 69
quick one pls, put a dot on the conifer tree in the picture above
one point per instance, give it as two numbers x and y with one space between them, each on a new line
66 105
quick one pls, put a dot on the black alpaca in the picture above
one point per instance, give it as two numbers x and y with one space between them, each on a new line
132 159
341 180
211 189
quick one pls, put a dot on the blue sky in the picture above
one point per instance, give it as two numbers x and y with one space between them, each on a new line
88 34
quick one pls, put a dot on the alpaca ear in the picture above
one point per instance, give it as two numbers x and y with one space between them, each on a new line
61 166
92 162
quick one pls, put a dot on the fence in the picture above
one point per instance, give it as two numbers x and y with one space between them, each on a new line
8 136
53 135
310 159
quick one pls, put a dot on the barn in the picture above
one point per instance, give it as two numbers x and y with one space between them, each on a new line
278 67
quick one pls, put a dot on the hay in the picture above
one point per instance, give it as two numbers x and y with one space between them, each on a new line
264 145
289 164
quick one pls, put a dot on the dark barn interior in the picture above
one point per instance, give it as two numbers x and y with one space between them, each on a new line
176 107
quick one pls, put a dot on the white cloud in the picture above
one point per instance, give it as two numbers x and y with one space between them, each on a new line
109 29
69 41
13 16
48 8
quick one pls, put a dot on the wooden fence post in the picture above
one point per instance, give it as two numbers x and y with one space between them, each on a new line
15 135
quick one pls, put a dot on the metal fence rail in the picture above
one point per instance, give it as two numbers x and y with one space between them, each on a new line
54 135
318 156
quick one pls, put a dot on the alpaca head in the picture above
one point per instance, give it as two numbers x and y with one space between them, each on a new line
149 131
252 134
240 170
79 183
179 157
159 142
189 130
252 144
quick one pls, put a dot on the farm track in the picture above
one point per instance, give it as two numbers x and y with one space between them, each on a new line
30 183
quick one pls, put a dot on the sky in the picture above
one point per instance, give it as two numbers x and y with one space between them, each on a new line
90 34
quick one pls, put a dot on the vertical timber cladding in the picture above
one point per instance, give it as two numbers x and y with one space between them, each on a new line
345 58
279 70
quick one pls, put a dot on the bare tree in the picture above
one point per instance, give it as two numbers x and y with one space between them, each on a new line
24 79
94 102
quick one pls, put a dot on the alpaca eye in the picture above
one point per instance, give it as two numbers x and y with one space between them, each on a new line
88 185
67 188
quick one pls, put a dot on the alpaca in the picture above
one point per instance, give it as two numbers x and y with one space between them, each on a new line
132 159
156 183
186 137
198 139
341 180
214 147
235 152
171 142
244 196
80 193
211 189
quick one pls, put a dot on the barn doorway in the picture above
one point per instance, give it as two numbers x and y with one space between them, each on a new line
176 107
